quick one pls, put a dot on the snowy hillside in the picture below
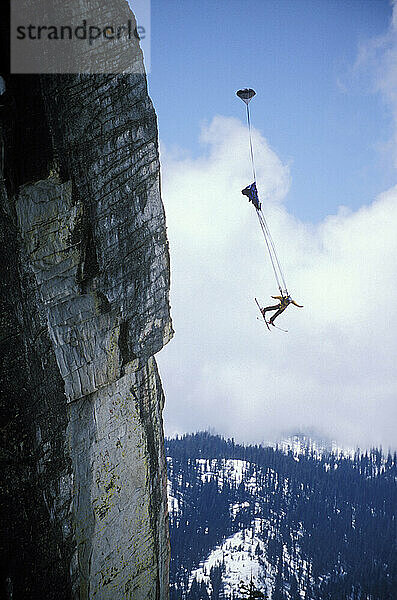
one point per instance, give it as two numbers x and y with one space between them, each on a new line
300 444
238 556
302 529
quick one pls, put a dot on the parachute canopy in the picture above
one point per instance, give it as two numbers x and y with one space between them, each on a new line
246 94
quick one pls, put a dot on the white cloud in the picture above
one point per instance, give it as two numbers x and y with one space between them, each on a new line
378 56
334 371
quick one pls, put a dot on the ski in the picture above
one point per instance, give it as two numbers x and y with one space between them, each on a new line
280 328
259 306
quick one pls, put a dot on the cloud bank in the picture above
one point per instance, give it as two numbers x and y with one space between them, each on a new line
334 371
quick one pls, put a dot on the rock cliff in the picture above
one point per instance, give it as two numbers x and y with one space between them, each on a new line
84 309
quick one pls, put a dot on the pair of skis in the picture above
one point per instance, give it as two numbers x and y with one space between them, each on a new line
267 324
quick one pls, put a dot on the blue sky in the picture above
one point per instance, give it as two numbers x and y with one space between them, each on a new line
325 139
317 109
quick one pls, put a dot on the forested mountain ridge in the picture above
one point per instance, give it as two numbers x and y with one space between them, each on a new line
317 526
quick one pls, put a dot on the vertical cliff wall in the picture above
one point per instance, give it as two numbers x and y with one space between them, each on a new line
84 309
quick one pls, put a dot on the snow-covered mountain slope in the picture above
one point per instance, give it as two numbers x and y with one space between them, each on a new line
243 555
301 529
238 558
301 444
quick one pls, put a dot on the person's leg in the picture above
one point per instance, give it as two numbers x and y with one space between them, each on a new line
276 314
269 308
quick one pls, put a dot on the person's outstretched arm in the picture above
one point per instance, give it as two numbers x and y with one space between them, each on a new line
298 305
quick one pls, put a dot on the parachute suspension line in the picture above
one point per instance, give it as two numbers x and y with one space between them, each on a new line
278 272
250 136
268 248
272 254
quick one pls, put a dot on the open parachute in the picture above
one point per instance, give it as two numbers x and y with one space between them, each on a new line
246 94
251 192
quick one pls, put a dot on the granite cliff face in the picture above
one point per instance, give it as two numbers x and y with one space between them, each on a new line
84 309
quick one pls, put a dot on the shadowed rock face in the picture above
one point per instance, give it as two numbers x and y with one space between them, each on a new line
84 309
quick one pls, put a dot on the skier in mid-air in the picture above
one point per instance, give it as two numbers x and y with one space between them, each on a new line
284 302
